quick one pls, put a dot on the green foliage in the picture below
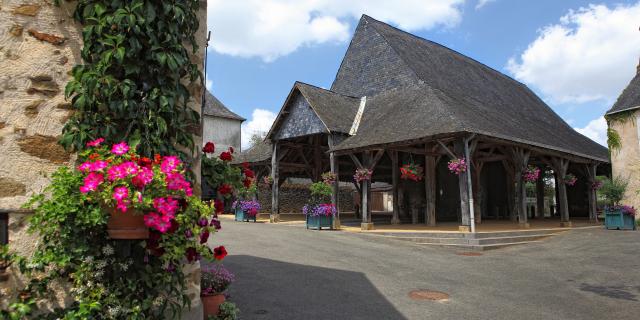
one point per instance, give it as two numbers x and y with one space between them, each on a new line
320 189
228 311
613 190
216 172
613 137
131 86
110 279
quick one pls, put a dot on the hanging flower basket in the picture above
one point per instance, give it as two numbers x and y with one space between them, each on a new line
329 177
411 171
596 185
457 166
362 175
570 179
531 174
268 180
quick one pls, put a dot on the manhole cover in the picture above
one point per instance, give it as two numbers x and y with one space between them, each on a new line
428 295
469 254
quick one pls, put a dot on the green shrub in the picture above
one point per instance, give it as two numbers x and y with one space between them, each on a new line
228 311
613 190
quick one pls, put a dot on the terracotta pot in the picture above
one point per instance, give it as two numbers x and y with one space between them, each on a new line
127 225
211 304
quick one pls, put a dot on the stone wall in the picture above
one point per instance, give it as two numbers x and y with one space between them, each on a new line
626 161
39 45
294 196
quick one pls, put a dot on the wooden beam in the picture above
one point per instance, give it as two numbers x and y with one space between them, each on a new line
275 208
356 161
416 151
592 169
430 188
449 152
395 179
335 194
376 158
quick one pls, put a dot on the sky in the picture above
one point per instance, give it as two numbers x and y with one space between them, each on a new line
577 56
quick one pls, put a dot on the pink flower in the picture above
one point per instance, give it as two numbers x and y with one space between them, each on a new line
123 205
176 181
138 196
167 206
85 166
98 165
95 142
120 148
163 225
151 219
130 168
169 164
143 178
120 193
91 182
116 172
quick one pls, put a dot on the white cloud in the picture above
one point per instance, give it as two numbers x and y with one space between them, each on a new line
259 123
273 28
209 85
482 3
596 130
589 55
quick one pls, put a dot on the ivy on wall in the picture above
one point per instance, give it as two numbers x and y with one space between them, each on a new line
613 137
131 86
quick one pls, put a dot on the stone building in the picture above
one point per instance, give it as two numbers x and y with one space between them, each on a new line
220 125
624 139
40 43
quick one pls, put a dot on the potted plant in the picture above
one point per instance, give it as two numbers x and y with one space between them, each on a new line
215 279
246 210
617 216
411 171
457 166
319 211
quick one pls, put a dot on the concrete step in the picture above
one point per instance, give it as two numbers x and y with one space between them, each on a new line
472 241
509 239
483 247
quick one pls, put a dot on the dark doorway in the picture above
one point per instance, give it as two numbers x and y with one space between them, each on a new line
494 191
447 194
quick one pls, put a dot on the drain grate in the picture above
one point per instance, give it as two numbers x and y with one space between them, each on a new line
469 254
428 295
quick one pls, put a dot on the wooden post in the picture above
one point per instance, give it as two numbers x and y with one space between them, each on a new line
511 190
335 195
560 166
395 179
477 189
430 189
275 187
366 195
465 218
520 159
540 194
591 177
317 159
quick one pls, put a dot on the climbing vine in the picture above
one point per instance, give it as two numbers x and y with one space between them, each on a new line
613 137
131 86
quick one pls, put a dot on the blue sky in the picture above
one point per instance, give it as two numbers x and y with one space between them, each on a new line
576 55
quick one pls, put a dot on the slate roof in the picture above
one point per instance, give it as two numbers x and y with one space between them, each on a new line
335 110
458 94
259 152
213 107
630 97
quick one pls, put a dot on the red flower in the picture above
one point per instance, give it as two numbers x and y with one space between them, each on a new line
246 165
144 162
219 205
204 237
94 156
157 159
225 189
216 224
249 173
192 254
209 147
231 149
226 156
247 182
219 253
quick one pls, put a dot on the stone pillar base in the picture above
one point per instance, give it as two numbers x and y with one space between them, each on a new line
366 226
524 225
274 218
336 223
566 224
464 228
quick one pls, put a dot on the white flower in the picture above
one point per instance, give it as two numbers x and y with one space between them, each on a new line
108 250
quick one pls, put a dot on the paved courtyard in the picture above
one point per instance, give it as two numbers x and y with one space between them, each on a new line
287 272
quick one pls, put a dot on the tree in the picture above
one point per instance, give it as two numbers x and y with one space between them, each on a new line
256 138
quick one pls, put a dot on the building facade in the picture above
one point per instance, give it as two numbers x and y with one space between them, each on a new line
220 125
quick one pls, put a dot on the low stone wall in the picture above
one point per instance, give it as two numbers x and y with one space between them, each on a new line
294 196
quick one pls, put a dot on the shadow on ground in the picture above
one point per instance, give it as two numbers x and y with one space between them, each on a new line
268 289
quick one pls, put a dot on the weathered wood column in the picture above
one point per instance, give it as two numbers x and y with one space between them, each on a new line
366 195
335 195
511 190
477 190
520 161
540 194
465 215
560 166
430 189
275 187
591 177
395 179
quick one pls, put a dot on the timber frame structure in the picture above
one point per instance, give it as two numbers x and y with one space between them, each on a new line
400 99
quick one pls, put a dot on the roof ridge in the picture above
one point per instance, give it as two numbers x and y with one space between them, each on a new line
437 44
323 89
